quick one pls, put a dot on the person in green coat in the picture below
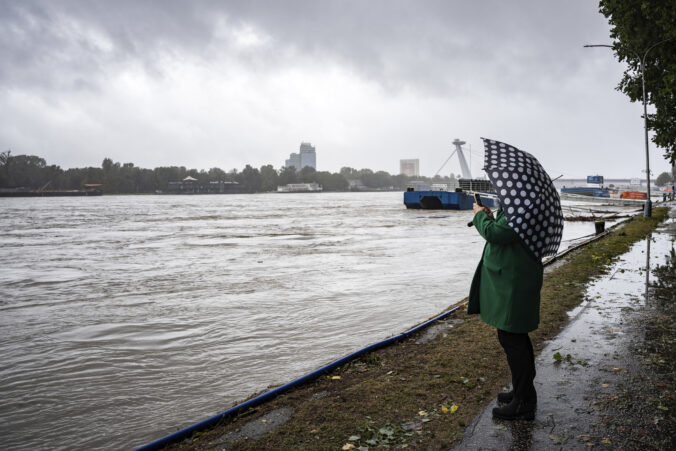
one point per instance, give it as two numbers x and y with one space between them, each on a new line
505 291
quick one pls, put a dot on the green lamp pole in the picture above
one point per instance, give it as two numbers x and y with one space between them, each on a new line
647 210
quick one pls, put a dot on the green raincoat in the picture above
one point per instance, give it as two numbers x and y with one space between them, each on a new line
506 284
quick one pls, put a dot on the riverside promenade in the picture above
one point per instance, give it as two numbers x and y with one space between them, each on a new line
605 370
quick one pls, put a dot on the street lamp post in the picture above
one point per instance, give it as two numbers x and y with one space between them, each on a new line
647 210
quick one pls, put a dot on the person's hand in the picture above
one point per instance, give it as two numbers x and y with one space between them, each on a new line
478 208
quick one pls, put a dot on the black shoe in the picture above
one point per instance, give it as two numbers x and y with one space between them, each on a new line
515 410
505 397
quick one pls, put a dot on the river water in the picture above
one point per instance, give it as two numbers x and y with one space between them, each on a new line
126 318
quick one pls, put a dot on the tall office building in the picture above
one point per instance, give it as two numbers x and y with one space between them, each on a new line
306 157
410 167
294 160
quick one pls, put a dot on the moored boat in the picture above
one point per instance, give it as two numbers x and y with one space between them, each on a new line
419 195
445 200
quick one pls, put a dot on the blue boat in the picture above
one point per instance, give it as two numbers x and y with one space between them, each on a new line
419 195
586 191
594 188
443 200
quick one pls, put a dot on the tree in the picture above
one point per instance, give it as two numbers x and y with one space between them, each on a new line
107 165
250 179
28 171
287 175
663 179
216 175
307 174
4 172
636 25
269 178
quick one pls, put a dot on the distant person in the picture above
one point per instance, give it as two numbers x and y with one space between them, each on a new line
664 196
673 191
506 292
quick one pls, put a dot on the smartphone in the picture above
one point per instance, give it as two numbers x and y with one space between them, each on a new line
477 200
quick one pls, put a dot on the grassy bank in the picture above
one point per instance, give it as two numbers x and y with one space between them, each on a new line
422 392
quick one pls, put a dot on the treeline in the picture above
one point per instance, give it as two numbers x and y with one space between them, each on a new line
29 171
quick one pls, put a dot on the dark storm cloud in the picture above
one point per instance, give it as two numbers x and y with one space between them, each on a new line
433 46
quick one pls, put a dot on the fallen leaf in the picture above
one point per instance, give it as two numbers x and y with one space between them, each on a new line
386 431
335 378
557 357
411 426
347 447
454 408
605 385
422 413
354 438
314 431
557 439
444 409
501 427
661 407
606 441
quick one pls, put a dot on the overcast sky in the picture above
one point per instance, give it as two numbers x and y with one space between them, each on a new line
229 83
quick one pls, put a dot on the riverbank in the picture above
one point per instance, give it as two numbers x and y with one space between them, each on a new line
423 392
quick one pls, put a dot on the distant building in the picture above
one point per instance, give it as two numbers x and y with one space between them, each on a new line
294 160
410 167
306 157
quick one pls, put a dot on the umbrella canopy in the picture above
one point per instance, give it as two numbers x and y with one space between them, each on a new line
527 195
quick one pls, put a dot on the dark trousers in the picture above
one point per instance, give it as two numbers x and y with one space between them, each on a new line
521 362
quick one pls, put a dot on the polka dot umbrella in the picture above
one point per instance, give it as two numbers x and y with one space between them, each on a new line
527 196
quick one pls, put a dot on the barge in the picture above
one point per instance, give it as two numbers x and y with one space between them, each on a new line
420 195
